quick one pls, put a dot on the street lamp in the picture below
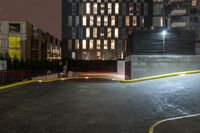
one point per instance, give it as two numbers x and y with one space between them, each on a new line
164 32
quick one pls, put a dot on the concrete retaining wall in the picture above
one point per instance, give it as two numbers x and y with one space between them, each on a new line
138 66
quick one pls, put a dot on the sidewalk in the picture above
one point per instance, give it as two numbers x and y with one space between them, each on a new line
46 77
180 125
101 75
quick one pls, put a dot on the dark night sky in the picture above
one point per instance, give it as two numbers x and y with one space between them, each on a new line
46 14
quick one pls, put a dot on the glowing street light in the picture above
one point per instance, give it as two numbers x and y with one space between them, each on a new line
164 33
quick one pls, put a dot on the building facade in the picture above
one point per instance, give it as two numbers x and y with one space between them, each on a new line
22 40
98 29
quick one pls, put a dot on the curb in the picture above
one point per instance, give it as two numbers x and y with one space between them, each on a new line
49 81
112 79
152 128
161 76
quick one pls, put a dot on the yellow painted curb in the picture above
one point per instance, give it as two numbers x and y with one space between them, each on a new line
99 77
17 84
48 81
161 76
152 128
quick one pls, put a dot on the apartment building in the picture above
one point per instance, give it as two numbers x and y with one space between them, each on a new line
98 29
22 40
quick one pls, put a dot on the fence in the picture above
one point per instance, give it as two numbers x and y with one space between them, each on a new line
7 77
92 65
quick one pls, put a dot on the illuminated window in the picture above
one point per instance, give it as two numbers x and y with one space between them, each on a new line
87 32
84 44
109 8
102 8
91 20
98 44
112 44
127 21
105 44
157 21
99 54
95 8
98 20
116 32
91 46
109 32
113 20
105 20
134 21
116 8
77 44
94 32
84 20
194 2
87 8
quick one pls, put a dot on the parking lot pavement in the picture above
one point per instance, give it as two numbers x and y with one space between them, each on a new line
96 106
188 124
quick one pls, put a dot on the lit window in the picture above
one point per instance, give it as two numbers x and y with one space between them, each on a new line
134 21
98 44
91 20
105 44
194 2
116 32
98 20
84 20
98 54
84 43
112 44
157 21
87 8
127 21
91 44
105 20
102 9
95 8
87 32
95 32
116 8
109 32
109 8
77 44
113 20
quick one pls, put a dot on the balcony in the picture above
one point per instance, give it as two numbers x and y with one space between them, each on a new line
178 24
176 1
178 12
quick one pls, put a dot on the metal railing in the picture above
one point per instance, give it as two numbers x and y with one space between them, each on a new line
7 77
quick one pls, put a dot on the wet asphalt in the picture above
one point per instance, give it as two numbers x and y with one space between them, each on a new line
97 106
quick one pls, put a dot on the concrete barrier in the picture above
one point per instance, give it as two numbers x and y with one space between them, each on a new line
138 66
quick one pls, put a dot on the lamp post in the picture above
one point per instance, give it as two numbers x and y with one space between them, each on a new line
164 34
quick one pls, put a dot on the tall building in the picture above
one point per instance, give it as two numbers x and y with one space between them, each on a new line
22 40
98 29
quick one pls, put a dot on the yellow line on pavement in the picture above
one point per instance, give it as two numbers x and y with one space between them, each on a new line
100 77
17 84
161 76
152 128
